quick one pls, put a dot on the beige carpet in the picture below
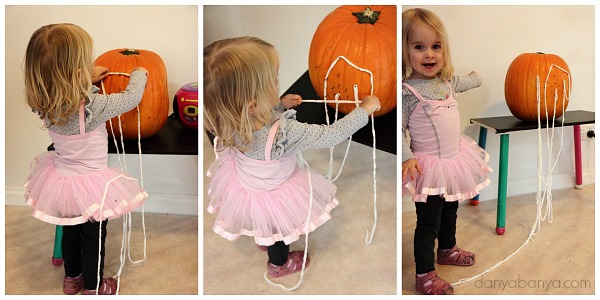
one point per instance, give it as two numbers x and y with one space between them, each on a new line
171 267
559 259
341 262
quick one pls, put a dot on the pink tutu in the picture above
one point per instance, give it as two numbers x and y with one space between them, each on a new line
456 179
277 212
76 198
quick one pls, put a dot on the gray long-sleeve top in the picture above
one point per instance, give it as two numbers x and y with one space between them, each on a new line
100 108
293 136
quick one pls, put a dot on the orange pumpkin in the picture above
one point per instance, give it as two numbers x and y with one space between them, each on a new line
520 87
154 106
365 35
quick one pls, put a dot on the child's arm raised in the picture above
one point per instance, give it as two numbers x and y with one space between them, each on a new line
466 82
108 106
305 136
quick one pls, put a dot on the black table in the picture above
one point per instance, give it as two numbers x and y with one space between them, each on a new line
171 139
507 124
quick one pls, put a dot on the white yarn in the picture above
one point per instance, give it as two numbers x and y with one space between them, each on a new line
329 175
101 217
126 217
330 172
367 239
306 229
544 196
374 186
331 101
114 140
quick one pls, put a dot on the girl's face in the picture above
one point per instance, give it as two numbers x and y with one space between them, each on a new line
425 52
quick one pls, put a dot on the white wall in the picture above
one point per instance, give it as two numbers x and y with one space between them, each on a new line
483 38
169 31
486 39
288 27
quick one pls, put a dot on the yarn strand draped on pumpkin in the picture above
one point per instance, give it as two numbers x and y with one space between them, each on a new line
154 106
366 35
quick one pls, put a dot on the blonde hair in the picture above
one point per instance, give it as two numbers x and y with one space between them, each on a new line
239 72
58 67
412 17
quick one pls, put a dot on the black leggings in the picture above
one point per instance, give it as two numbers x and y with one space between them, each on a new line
278 253
80 251
436 219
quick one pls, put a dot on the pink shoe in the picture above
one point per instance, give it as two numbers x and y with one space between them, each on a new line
292 265
432 284
455 256
72 285
107 287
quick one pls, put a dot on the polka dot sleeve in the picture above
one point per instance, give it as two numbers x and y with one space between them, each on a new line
105 107
293 136
301 136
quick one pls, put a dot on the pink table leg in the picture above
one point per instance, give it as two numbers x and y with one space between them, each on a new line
577 142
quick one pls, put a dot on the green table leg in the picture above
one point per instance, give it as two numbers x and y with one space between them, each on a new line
502 183
482 141
57 259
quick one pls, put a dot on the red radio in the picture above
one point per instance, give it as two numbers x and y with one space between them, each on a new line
185 105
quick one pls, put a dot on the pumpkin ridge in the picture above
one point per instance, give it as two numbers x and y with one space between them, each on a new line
530 86
523 95
522 71
330 54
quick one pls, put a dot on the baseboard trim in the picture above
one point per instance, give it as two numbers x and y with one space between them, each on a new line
156 203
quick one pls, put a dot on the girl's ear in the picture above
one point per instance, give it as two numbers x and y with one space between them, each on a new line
252 106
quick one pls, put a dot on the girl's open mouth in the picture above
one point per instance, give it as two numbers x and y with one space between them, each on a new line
429 65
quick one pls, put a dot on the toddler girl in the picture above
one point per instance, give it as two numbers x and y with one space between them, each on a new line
439 166
256 187
73 185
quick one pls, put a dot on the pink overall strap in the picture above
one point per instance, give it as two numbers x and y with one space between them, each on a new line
82 117
413 90
449 87
270 140
416 93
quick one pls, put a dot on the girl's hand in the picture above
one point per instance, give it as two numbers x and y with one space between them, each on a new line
411 167
291 100
99 73
370 104
140 69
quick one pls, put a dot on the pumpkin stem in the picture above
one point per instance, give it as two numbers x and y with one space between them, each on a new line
367 16
540 52
130 52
